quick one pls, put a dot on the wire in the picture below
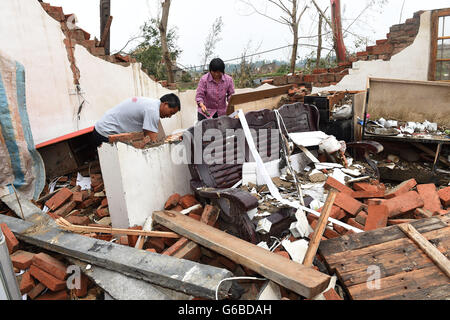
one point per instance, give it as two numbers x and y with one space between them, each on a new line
235 278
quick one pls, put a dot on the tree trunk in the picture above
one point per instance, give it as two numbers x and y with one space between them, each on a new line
294 48
341 54
165 48
105 12
319 43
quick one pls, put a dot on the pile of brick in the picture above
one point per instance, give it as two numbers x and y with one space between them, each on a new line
43 277
370 206
80 207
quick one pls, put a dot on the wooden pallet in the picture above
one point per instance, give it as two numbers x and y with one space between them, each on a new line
406 272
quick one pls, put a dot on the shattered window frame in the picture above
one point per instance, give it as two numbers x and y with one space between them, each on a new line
439 69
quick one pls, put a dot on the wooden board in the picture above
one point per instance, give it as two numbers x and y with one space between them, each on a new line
407 100
305 281
406 272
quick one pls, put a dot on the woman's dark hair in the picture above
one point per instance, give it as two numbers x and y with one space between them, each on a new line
172 100
217 65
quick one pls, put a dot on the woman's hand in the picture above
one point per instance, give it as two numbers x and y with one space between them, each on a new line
203 108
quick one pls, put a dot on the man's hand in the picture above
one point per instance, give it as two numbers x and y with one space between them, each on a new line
152 135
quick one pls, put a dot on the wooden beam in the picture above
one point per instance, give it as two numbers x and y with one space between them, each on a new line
305 281
431 251
320 228
431 153
105 33
190 277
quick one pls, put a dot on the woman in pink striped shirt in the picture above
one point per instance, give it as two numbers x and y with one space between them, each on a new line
214 91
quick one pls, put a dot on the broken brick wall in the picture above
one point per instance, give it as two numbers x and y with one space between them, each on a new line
56 60
403 54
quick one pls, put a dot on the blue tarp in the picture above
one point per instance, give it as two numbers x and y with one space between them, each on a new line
21 164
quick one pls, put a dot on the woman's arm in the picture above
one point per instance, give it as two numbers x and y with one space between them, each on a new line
201 94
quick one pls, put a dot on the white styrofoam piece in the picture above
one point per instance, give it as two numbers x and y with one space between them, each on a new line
270 291
352 172
309 138
251 213
297 249
263 245
263 226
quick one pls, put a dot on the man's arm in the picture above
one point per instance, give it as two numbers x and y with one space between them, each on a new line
152 135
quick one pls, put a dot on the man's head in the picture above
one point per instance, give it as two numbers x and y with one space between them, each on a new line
217 68
170 104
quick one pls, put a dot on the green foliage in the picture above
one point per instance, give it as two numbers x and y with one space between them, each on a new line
311 63
186 77
149 52
283 69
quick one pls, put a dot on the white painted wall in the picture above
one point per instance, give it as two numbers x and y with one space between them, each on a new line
138 182
409 64
29 35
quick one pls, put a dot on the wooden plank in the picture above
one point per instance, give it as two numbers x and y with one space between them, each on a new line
369 238
432 252
258 95
424 284
320 228
305 281
392 257
182 275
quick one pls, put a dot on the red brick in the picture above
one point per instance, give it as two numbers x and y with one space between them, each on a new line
403 203
66 209
156 243
47 279
311 78
364 186
333 183
361 218
402 188
59 199
132 239
339 229
79 220
60 295
430 197
22 259
175 247
368 194
332 295
151 250
442 212
194 216
355 224
78 197
375 202
283 253
104 203
209 215
421 213
83 290
123 240
444 195
86 203
348 203
102 212
50 265
392 222
336 212
104 237
377 217
330 234
26 283
11 241
230 265
36 291
188 201
172 202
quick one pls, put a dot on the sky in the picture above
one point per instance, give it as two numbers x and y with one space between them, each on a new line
243 29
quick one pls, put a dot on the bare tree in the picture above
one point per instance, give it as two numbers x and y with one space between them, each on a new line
212 40
163 21
291 15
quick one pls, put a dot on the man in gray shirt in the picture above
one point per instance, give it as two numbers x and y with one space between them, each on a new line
134 115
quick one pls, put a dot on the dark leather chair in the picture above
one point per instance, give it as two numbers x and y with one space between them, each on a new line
214 175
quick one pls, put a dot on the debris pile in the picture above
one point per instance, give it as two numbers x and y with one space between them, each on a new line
43 276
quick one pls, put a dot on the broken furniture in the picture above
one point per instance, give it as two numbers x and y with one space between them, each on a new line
408 101
386 264
214 182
